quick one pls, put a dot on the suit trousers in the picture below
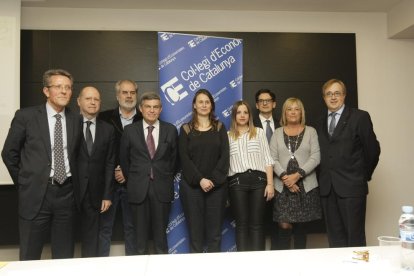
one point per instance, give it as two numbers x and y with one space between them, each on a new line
119 199
151 216
55 218
204 213
248 204
344 219
89 227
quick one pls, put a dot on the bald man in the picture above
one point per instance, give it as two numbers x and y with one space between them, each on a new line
96 163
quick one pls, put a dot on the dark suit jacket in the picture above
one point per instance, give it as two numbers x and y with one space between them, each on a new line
112 117
258 123
349 157
27 155
136 161
96 172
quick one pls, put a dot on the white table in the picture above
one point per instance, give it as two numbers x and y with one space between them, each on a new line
334 261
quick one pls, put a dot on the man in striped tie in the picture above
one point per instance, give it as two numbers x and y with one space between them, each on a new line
40 153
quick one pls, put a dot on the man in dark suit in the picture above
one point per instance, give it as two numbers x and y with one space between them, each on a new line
349 155
266 104
126 113
40 154
96 163
149 160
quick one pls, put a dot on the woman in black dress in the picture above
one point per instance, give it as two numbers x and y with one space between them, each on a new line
204 154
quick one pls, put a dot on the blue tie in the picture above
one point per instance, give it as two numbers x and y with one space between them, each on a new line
269 131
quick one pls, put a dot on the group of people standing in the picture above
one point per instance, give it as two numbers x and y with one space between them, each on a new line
127 158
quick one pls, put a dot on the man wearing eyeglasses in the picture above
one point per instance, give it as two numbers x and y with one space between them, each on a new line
266 105
349 155
40 154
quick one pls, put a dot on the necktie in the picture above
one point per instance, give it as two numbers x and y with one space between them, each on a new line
269 131
59 161
88 137
332 124
151 146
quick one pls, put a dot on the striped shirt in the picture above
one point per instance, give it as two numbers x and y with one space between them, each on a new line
253 154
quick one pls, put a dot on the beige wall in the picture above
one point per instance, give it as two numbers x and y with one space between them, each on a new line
385 73
9 70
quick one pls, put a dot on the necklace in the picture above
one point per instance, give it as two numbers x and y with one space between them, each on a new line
292 151
243 131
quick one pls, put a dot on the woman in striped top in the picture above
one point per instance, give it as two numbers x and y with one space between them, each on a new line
250 178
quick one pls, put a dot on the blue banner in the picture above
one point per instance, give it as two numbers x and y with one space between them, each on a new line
186 64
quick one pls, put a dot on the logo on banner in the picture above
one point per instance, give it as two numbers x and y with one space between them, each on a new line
166 36
187 63
227 111
172 91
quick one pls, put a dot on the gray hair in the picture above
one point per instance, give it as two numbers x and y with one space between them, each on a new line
55 72
118 85
149 95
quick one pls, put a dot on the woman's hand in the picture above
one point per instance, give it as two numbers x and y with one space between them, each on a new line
294 189
206 185
291 179
269 192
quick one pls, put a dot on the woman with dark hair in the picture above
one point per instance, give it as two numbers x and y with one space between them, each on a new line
204 154
250 178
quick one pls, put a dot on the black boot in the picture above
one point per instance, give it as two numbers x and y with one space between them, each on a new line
284 238
299 236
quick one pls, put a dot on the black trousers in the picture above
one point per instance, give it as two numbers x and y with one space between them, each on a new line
204 214
345 220
249 204
90 219
56 220
150 218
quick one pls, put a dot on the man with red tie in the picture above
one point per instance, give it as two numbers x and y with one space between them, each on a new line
148 157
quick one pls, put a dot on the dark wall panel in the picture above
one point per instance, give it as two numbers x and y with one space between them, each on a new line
278 61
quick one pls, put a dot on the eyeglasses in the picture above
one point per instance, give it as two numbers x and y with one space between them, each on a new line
331 94
61 87
264 101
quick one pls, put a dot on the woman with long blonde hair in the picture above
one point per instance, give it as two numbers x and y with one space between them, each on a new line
250 178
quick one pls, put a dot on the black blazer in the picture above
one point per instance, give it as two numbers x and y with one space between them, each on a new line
96 172
27 155
112 117
136 162
350 156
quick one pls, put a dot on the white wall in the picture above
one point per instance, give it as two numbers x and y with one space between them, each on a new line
385 77
9 69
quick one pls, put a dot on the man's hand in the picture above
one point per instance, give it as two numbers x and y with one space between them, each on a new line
119 176
105 205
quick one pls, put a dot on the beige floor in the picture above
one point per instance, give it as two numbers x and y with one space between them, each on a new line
11 253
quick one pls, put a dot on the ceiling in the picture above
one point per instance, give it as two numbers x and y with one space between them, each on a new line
256 5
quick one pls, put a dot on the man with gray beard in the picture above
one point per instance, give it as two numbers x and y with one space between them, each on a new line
126 113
